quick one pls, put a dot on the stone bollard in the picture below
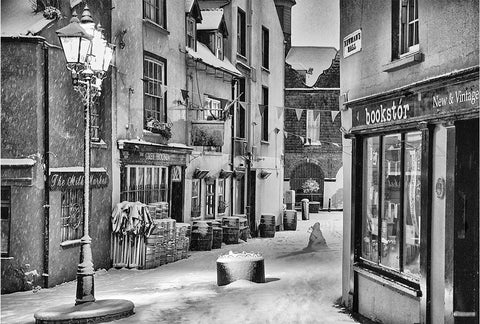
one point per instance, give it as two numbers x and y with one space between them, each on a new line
305 209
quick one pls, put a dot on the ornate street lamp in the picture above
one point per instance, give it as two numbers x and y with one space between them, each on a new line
88 57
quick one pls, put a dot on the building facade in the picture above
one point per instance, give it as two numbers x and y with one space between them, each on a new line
42 151
410 113
313 143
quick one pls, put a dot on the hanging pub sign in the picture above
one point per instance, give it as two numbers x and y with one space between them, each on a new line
352 43
74 180
434 102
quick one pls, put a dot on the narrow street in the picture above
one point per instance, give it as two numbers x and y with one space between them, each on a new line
301 287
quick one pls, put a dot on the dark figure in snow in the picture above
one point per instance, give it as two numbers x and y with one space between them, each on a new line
316 241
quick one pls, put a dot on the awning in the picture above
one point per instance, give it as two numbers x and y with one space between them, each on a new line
225 174
200 174
17 172
239 174
265 174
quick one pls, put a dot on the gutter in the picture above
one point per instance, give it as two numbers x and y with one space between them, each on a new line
46 166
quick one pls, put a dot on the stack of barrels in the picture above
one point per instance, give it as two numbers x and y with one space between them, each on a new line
290 220
231 229
267 225
244 229
202 236
167 249
158 210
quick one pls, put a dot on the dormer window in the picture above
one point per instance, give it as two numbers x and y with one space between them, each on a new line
191 32
219 45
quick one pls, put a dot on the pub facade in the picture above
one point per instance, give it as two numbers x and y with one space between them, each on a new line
410 116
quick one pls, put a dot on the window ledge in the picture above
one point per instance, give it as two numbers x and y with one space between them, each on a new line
70 243
99 145
6 258
263 142
403 62
387 282
265 69
242 58
154 25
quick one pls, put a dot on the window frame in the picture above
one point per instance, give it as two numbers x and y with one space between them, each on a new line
219 45
191 29
152 82
425 210
78 196
156 12
407 45
95 119
264 117
210 192
265 48
214 110
221 193
138 190
6 202
309 121
240 116
196 199
241 32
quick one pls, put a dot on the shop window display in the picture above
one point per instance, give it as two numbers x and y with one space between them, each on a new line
391 202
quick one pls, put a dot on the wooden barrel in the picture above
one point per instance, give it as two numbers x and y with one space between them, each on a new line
244 229
217 235
202 236
267 225
290 220
230 235
231 221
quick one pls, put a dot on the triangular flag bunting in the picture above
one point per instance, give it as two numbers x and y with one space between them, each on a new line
309 141
262 109
285 134
184 94
334 114
316 114
299 111
335 144
279 112
302 139
73 3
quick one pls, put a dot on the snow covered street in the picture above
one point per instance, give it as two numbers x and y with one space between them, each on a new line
301 287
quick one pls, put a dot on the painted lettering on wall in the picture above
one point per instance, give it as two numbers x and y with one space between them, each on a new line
157 156
386 114
75 180
455 97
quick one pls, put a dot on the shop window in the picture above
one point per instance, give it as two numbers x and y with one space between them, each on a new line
146 184
154 92
405 27
191 33
210 199
241 33
313 127
72 214
391 202
5 224
155 10
265 48
196 190
219 45
264 110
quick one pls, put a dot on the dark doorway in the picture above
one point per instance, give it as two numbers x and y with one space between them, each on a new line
307 180
466 213
177 183
251 181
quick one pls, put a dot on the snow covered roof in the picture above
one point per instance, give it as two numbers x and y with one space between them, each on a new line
17 162
212 19
192 6
206 56
19 19
304 58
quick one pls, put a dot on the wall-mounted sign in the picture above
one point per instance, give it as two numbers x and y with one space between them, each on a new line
352 43
440 188
74 180
433 102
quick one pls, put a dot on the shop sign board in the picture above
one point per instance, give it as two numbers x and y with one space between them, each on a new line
352 43
75 180
435 102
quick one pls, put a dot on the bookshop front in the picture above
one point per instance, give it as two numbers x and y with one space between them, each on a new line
414 205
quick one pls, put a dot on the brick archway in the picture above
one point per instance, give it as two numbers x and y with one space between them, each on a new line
302 173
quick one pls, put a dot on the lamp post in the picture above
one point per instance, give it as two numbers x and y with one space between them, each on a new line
88 57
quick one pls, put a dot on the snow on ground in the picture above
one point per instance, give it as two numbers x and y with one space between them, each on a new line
301 286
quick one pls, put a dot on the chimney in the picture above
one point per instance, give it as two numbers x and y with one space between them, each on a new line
284 11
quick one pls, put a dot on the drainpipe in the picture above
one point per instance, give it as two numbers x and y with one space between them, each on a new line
232 128
46 167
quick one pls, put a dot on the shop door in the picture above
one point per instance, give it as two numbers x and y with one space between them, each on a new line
176 209
252 183
466 290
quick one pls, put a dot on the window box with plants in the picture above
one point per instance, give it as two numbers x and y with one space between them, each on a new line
222 206
158 127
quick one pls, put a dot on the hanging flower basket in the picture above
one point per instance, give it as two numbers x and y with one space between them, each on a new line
310 186
158 127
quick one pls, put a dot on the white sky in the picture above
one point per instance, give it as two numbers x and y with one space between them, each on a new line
316 23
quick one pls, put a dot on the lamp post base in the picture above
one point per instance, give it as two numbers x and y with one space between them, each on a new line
91 312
